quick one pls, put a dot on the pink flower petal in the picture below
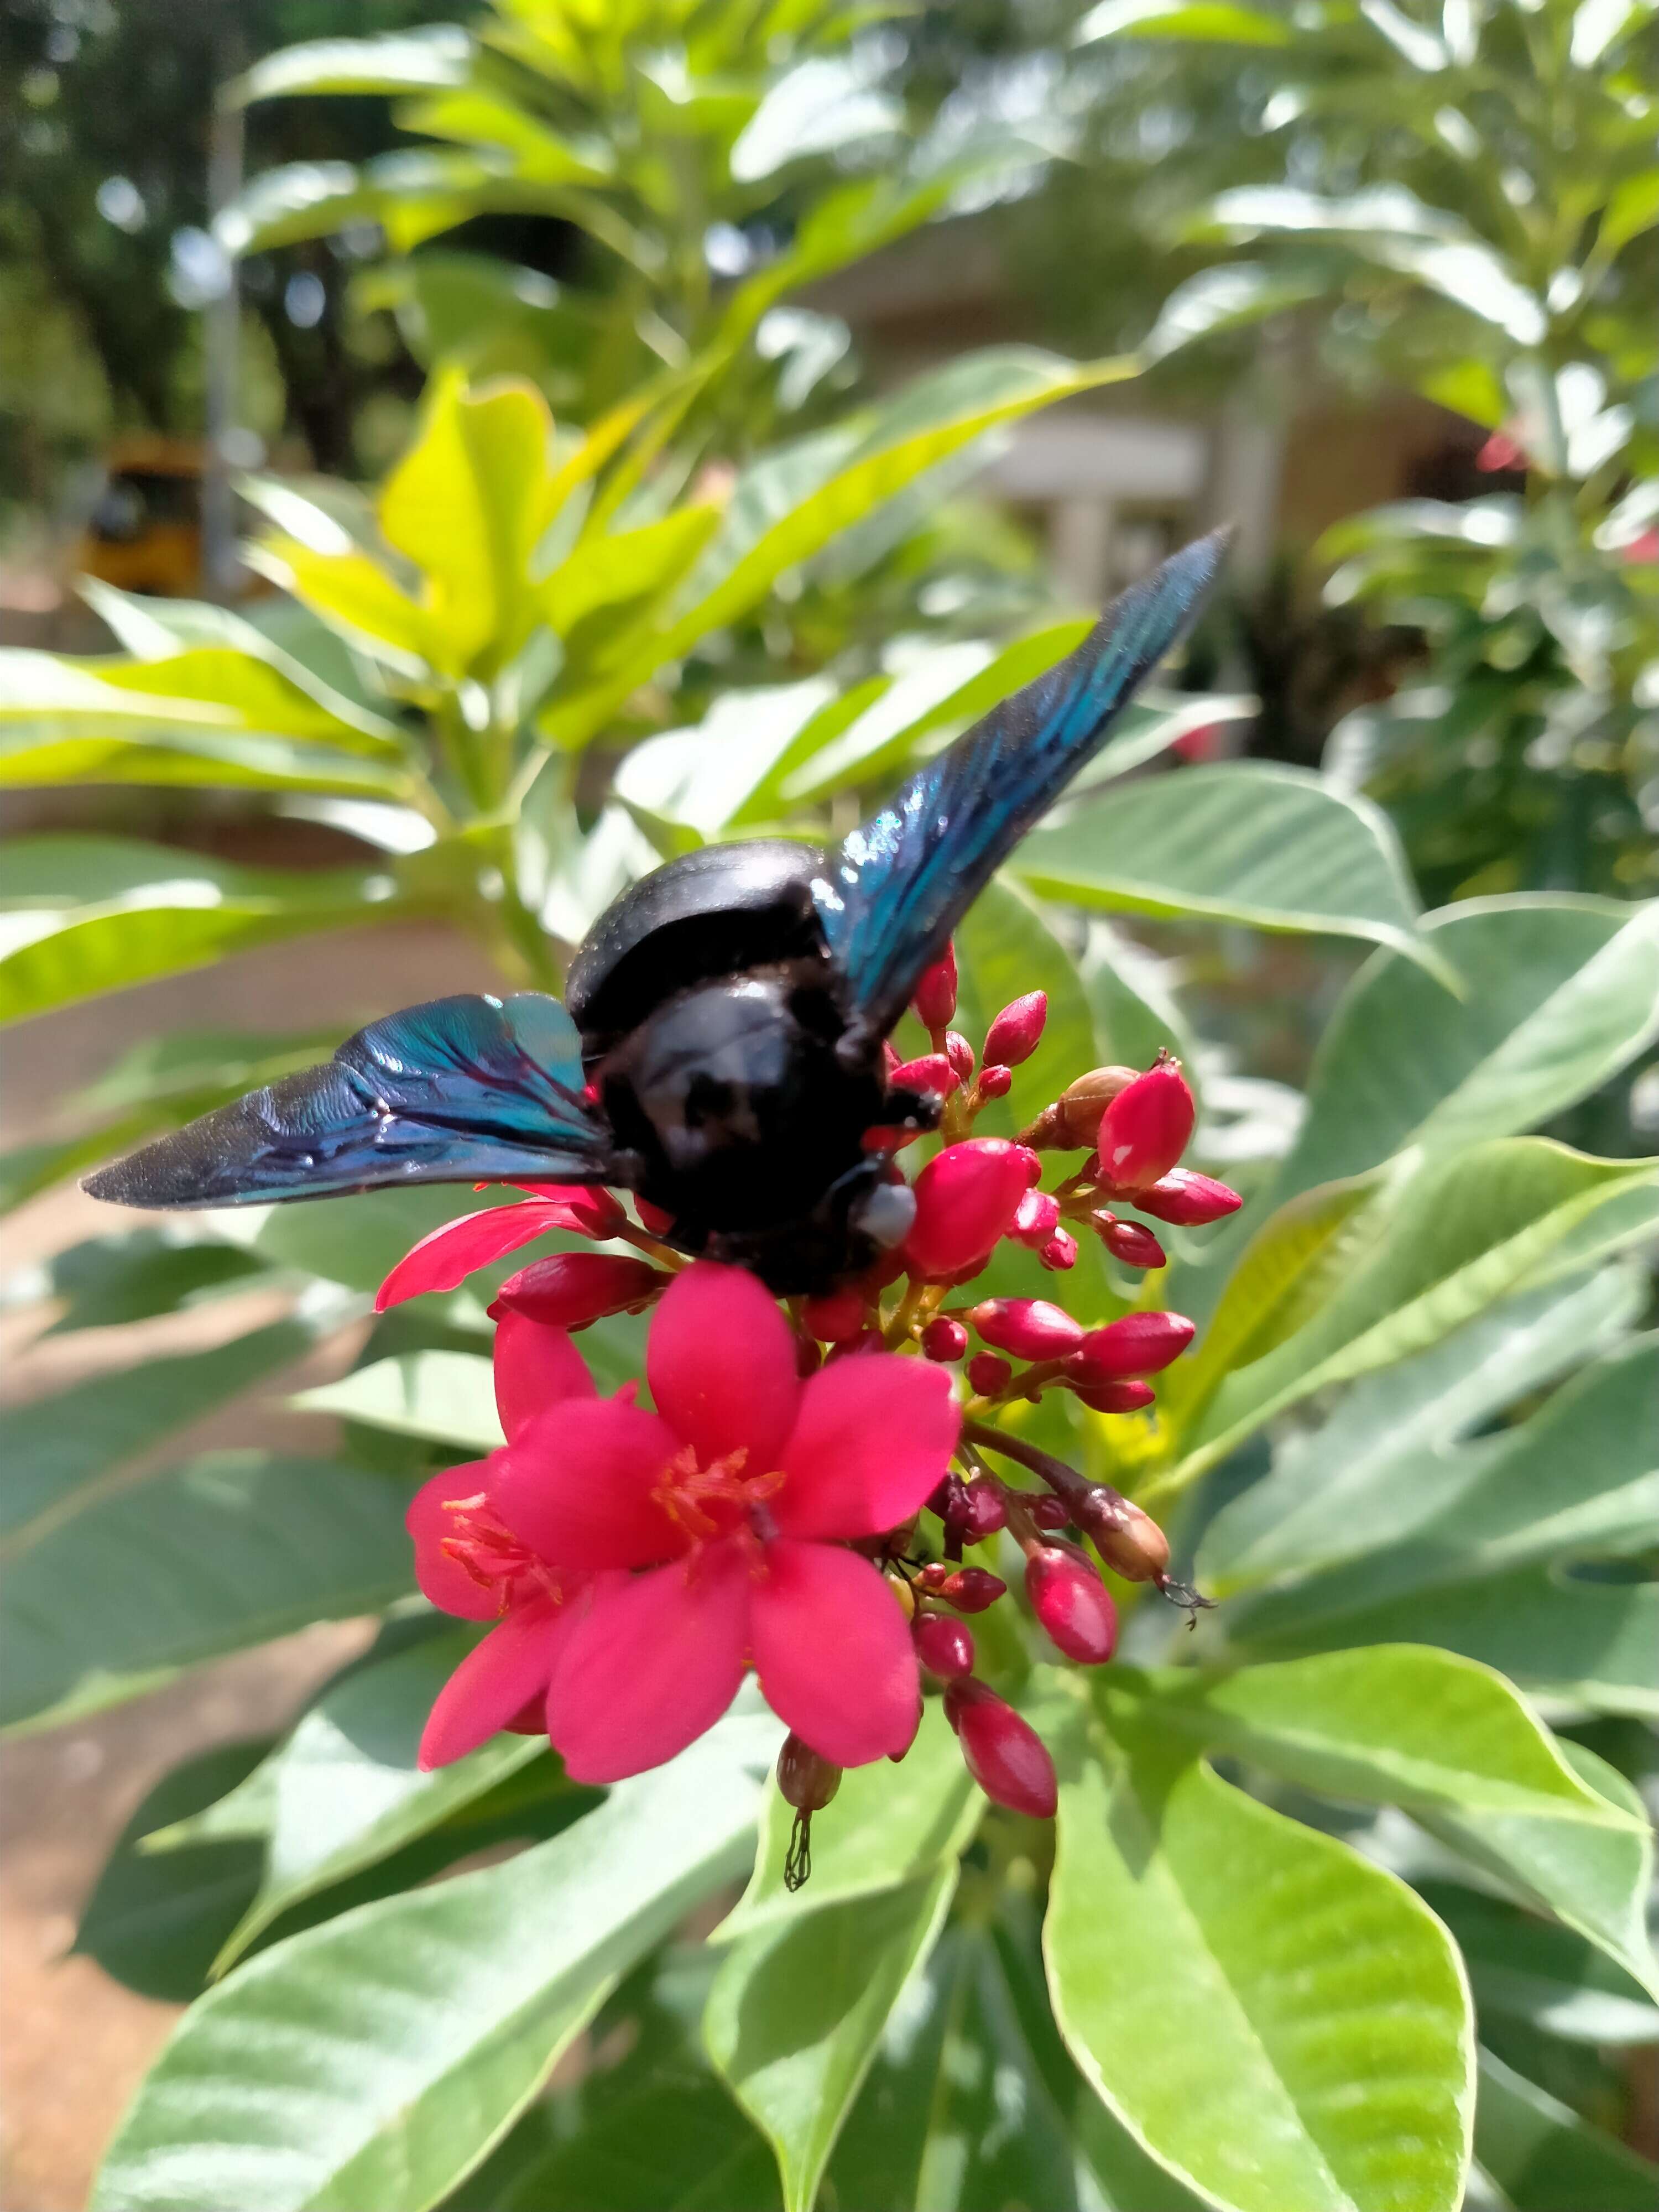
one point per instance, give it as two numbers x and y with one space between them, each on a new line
576 1483
834 1653
444 1259
496 1678
536 1368
721 1363
653 1662
441 1578
873 1438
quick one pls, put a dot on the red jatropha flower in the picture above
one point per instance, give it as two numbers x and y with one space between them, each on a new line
716 1530
444 1260
469 1562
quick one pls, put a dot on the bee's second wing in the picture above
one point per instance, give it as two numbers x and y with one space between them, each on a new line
462 1089
892 892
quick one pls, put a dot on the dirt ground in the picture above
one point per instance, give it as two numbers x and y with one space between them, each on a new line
73 2043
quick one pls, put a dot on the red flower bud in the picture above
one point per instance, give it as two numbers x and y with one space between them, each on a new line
1016 1033
1029 1328
1187 1199
960 1053
1128 1241
933 1073
1004 1754
888 1136
988 1375
1116 1397
1059 1253
1037 1218
574 1288
1138 1344
1049 1511
984 1511
943 1646
856 1348
652 1218
935 1001
995 1082
944 1339
1146 1129
1074 1118
1073 1603
970 1589
834 1317
966 1196
809 1357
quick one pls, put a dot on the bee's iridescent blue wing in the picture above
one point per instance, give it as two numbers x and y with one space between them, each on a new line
892 892
462 1089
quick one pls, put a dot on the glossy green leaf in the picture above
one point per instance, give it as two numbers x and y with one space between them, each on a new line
703 778
62 1449
1453 1237
344 1791
183 912
1242 842
449 1397
156 1919
885 1827
1280 2024
231 761
376 2059
1454 1745
467 504
1546 2157
1359 1477
1557 995
973 2100
421 59
1523 1968
1200 20
107 1282
1473 1548
230 1550
796 2013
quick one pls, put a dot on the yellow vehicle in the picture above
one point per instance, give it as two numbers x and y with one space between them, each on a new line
144 533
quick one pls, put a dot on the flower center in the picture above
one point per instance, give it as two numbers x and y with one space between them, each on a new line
707 1501
483 1548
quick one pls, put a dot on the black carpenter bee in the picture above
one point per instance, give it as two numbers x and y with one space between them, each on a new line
720 1049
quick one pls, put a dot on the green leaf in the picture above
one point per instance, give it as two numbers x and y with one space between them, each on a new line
107 1282
422 59
1452 1744
1335 1492
703 778
229 761
155 1921
761 537
1453 1237
449 1397
1556 995
885 1827
376 2059
1231 297
1281 2025
230 1550
1523 1968
974 2100
1243 842
155 912
344 1791
1545 2157
1200 19
61 1450
796 2013
1470 1547
468 503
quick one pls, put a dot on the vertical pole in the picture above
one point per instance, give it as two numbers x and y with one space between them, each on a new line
221 333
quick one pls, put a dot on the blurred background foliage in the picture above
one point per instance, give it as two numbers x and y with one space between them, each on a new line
657 421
